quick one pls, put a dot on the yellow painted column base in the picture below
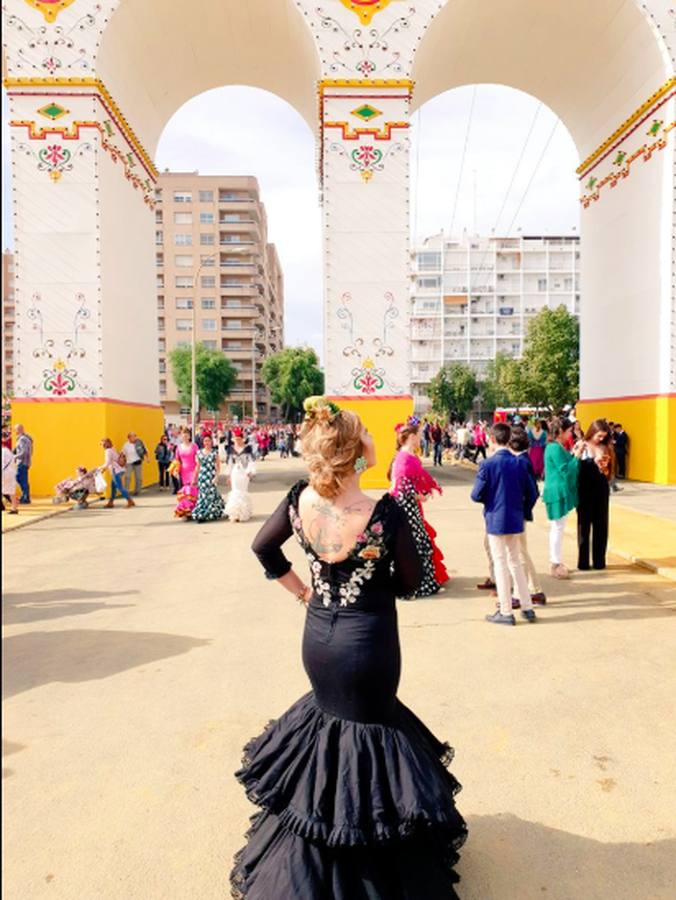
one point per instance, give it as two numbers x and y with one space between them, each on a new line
379 415
68 433
650 422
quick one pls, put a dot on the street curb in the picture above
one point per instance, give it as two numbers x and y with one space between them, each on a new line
33 520
667 572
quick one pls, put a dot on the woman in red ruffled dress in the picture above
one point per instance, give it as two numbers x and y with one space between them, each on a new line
412 484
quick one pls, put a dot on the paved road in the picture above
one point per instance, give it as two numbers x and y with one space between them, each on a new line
141 653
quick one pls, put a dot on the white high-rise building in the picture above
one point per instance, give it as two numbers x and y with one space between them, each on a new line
473 298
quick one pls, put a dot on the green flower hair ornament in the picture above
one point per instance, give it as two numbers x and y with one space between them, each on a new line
320 408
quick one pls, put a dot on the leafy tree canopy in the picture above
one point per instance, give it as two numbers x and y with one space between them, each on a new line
453 389
292 375
215 375
550 368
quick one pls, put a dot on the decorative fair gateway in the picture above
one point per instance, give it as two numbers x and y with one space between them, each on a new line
92 83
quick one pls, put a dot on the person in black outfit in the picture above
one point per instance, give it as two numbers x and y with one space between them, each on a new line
356 800
621 445
163 455
595 473
437 435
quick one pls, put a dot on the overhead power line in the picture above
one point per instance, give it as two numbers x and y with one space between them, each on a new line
462 160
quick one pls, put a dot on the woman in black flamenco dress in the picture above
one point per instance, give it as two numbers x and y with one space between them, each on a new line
356 800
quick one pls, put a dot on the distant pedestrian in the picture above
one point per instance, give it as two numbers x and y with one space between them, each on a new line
9 481
508 493
164 455
595 474
537 440
621 439
23 454
480 441
436 436
135 452
186 454
561 489
115 463
519 445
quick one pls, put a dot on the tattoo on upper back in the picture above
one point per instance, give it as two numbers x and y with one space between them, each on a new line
326 527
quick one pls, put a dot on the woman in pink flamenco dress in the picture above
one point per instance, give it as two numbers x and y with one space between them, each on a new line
411 483
186 454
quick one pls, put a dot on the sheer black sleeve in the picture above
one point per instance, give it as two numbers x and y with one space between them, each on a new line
408 571
267 545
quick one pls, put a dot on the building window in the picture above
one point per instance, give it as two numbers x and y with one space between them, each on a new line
208 303
206 196
233 303
163 386
207 260
160 324
208 281
163 367
183 281
160 302
231 239
233 323
207 240
159 237
183 218
232 217
429 261
162 345
184 262
209 324
182 197
184 303
159 259
206 218
210 345
183 240
542 284
159 281
184 324
233 345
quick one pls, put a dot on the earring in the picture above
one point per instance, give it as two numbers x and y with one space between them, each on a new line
360 465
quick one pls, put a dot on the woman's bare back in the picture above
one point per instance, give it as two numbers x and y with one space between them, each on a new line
333 526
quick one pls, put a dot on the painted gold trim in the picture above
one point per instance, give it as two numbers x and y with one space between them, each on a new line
99 86
366 83
384 133
642 110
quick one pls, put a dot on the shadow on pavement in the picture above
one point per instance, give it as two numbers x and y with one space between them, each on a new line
507 858
41 657
34 606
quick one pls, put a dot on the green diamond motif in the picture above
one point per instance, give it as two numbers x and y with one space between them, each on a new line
366 112
53 111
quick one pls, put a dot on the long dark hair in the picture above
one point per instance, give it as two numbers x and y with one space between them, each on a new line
596 426
557 426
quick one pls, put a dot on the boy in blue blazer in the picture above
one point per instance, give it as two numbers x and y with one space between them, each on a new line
508 493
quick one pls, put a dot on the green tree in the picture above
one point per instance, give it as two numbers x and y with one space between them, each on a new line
550 368
501 386
237 409
215 375
453 389
292 375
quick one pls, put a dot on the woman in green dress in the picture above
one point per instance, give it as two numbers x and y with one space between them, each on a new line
560 491
210 504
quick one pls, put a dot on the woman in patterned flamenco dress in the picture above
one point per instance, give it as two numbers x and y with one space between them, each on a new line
210 505
356 800
412 484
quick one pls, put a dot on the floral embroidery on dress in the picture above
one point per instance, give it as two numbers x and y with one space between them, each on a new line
369 546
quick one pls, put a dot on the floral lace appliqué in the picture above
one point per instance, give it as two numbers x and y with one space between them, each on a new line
369 546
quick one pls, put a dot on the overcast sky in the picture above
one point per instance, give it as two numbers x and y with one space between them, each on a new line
259 134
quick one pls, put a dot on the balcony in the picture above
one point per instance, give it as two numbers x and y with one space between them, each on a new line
238 290
248 227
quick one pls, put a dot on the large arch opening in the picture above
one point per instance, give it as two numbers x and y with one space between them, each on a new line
252 228
154 59
494 226
602 69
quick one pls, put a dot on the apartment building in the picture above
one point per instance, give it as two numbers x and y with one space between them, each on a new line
8 318
212 253
473 297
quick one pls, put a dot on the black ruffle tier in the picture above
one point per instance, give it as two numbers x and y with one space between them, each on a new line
350 810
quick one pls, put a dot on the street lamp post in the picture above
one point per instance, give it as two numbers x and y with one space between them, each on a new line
193 361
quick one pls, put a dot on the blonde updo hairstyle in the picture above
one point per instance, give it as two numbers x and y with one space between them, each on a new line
332 444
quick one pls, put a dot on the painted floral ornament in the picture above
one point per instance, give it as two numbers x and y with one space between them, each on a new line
49 8
366 9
